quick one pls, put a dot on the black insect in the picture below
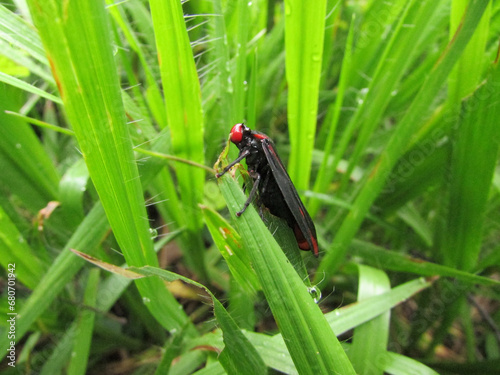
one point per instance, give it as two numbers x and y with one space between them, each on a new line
271 180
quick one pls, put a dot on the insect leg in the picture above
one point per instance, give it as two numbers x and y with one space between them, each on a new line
256 178
265 181
240 157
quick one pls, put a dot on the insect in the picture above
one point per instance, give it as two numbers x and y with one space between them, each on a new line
271 180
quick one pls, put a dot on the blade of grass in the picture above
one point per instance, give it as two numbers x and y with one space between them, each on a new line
238 356
27 171
370 338
239 79
88 235
395 60
410 215
326 171
473 163
71 190
155 100
304 34
311 343
184 114
19 57
399 141
224 84
41 124
110 290
372 40
229 243
172 350
85 328
16 82
390 260
88 82
14 250
474 158
467 73
394 363
20 33
273 349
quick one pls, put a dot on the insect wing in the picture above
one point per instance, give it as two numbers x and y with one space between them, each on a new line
291 196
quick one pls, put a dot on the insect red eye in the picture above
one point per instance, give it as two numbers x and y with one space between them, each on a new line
237 133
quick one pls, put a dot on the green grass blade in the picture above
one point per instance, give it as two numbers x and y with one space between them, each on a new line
223 82
108 294
351 316
473 163
372 39
326 171
22 60
311 343
172 350
71 190
14 250
88 83
304 34
239 79
27 171
229 243
182 93
21 34
88 235
467 73
273 349
370 339
390 260
340 320
5 78
400 139
399 53
238 356
155 100
85 327
394 363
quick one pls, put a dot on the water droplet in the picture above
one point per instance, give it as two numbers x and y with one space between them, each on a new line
146 300
153 232
315 293
288 9
18 145
362 94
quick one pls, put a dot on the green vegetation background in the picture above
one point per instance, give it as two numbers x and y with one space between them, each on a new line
387 115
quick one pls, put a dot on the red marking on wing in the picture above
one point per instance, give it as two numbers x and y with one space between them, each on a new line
260 136
301 239
302 242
